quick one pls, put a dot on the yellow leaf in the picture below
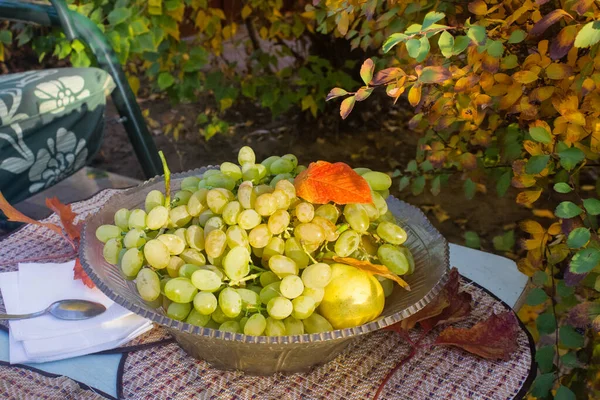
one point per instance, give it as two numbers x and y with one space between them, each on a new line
342 25
587 86
555 229
531 244
533 148
177 14
525 77
225 103
574 117
246 11
134 83
543 213
532 227
558 71
511 97
524 265
478 7
1 51
528 196
263 32
497 90
414 95
217 12
541 93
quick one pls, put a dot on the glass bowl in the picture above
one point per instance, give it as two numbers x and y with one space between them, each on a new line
263 355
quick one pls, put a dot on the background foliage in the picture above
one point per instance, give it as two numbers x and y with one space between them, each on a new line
506 94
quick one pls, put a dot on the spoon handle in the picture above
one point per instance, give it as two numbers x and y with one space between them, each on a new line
21 316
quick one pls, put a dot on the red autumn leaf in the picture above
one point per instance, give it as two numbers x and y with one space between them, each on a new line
335 92
323 182
376 269
549 19
459 304
67 217
563 42
581 6
386 76
347 106
493 338
79 273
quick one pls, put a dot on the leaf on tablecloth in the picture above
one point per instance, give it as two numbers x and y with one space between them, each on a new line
459 304
324 182
79 273
492 338
376 269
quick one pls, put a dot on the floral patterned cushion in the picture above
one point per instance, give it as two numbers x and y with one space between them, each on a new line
51 124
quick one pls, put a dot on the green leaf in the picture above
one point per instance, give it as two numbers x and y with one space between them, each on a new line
546 323
544 356
404 182
540 134
589 35
542 385
569 158
393 40
413 46
495 48
569 337
77 46
436 74
539 278
6 37
418 185
119 15
80 60
366 71
431 18
567 209
477 34
536 297
503 183
460 44
592 206
446 44
517 36
563 290
562 187
423 50
470 187
585 260
436 186
138 26
569 360
578 238
564 393
472 240
504 242
536 164
165 80
411 166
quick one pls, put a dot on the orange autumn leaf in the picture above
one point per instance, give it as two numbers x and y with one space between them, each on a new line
324 182
67 217
528 196
79 273
376 269
493 338
414 95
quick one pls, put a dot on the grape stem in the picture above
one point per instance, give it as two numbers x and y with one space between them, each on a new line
342 228
247 278
252 266
167 173
308 254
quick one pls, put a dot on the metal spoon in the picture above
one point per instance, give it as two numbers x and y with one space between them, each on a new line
65 309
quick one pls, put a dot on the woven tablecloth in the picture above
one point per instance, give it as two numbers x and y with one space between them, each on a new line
154 367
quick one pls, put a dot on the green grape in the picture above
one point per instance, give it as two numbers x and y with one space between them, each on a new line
122 219
268 277
329 212
194 236
187 270
291 158
231 212
210 172
157 254
204 217
294 250
217 261
214 269
230 326
357 217
237 263
317 275
372 211
259 236
268 161
278 222
214 223
219 317
283 266
190 183
231 170
246 195
131 262
157 218
274 327
316 323
409 258
179 311
299 169
243 322
236 236
255 325
275 246
175 263
304 306
314 293
191 256
393 258
206 280
384 193
347 243
230 302
309 233
212 324
246 156
216 200
202 184
198 319
279 178
378 180
251 172
268 292
291 286
265 204
286 186
174 243
181 198
329 229
257 252
106 232
180 233
205 303
255 288
153 198
220 181
362 171
305 212
279 307
379 202
215 243
250 299
388 217
391 233
180 290
386 284
293 326
262 189
148 284
134 238
282 166
179 216
248 219
197 202
281 199
111 251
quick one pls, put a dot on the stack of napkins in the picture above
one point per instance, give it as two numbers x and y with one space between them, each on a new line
33 288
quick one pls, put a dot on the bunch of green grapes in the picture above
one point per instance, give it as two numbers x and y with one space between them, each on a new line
237 250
